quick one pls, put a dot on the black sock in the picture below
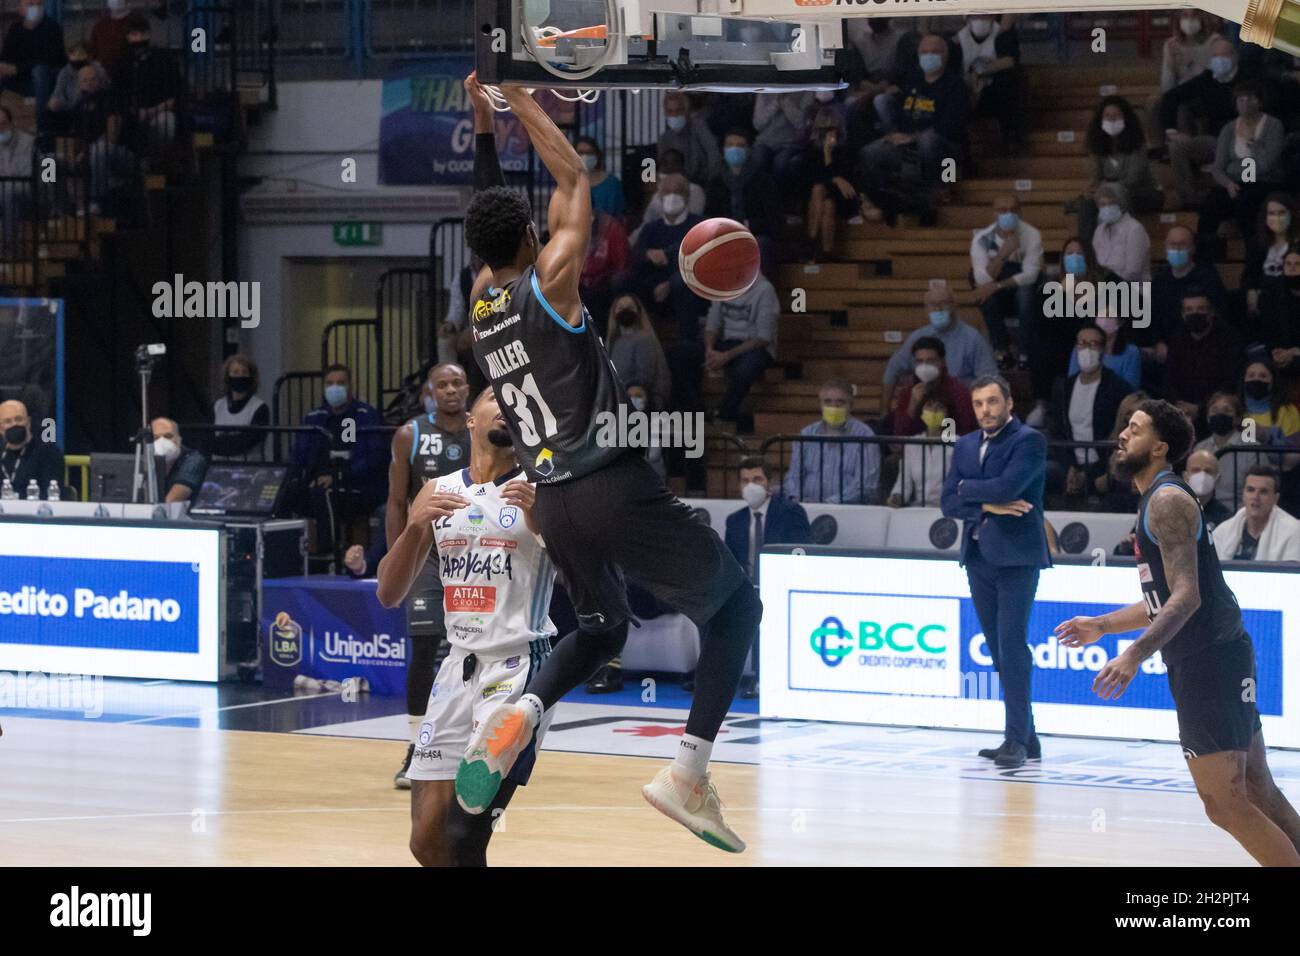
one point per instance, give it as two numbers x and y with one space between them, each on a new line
420 671
468 833
723 648
575 659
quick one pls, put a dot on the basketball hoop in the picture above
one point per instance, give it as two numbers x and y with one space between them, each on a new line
535 38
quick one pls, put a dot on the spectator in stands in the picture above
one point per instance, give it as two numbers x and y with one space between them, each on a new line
1224 413
606 188
1247 166
835 472
746 193
607 260
1006 259
690 136
780 119
929 379
924 121
828 163
1208 104
1280 314
1120 242
880 43
241 406
1202 474
1183 269
1077 266
1119 155
920 474
652 273
68 85
108 37
990 63
639 398
25 455
1083 408
150 85
635 350
361 457
740 339
1118 353
1260 531
767 518
97 124
32 56
185 466
1266 248
1268 405
670 164
16 157
966 352
1183 56
1205 355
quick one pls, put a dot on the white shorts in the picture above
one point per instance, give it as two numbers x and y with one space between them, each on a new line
457 706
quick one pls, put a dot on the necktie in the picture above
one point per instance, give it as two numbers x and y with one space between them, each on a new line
755 545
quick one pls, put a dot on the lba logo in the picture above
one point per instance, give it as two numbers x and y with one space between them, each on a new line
878 644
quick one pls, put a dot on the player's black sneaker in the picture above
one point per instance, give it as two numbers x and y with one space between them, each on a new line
1012 756
400 780
606 680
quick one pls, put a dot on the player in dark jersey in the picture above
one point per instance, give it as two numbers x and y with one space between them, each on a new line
602 509
427 447
1192 617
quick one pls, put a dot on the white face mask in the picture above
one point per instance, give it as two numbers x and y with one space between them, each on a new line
926 372
1112 127
167 448
1089 359
754 494
979 29
1202 483
1190 25
674 205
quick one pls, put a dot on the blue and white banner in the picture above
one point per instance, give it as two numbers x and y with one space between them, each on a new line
112 600
896 640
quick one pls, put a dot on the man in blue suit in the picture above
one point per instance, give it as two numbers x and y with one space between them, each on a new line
995 486
766 519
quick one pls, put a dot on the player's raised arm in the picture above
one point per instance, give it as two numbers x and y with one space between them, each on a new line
568 218
487 165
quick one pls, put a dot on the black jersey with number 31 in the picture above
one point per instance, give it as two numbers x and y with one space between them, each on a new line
551 380
1218 619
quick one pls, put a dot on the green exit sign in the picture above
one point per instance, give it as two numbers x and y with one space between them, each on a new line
359 233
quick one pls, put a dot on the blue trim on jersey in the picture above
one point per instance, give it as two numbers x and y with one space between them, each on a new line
1200 519
415 438
537 291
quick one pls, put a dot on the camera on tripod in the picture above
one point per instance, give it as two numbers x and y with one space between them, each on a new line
147 355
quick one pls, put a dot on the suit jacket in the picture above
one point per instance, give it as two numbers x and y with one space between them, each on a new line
1015 467
1111 390
785 523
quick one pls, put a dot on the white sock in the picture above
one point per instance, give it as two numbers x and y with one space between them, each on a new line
414 721
532 705
692 760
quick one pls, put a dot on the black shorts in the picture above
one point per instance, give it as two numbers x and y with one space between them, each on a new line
424 611
621 519
1214 694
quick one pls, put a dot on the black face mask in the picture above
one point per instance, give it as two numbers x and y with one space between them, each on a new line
627 318
240 383
1292 283
1256 389
878 24
1220 424
1198 323
16 434
77 64
139 47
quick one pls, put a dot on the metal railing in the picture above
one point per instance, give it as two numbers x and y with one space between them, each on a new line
294 395
406 324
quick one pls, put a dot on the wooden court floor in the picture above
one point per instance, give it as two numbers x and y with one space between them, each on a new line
96 794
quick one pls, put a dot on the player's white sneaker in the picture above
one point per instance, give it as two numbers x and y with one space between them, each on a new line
697 808
492 752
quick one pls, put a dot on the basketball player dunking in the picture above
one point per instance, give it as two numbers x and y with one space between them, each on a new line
602 510
497 582
430 445
1193 619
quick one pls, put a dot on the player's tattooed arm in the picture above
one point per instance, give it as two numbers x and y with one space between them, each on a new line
1174 520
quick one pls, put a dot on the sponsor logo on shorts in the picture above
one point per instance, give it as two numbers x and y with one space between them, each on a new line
544 465
423 753
500 687
512 662
461 598
426 732
286 640
508 516
508 543
1189 753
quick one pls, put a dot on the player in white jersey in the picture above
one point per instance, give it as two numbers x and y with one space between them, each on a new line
497 578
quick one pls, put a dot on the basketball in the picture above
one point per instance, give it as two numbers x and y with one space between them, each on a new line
718 259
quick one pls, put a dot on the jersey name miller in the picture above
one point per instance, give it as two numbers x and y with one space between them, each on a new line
462 598
509 358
